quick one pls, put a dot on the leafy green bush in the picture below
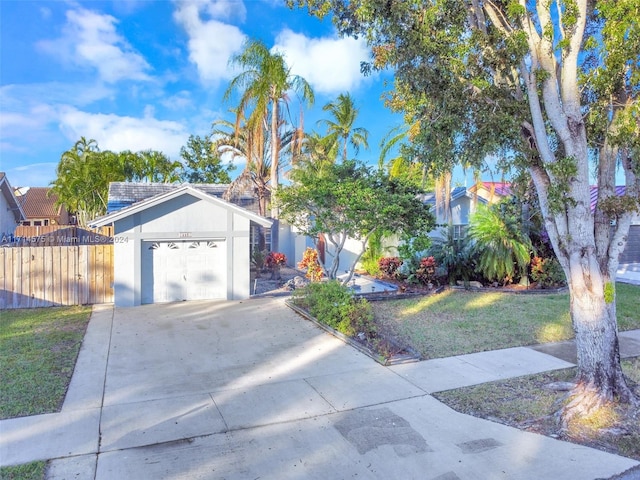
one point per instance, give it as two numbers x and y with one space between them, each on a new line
455 256
335 305
547 272
503 248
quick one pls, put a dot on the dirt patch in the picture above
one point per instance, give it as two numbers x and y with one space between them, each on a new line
531 402
264 284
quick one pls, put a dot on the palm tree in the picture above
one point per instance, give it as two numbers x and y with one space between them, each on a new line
265 83
411 170
317 152
82 179
501 244
252 145
341 128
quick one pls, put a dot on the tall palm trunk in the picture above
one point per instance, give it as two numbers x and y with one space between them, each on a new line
275 153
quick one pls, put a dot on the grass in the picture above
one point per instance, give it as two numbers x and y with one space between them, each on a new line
457 322
38 351
528 404
28 471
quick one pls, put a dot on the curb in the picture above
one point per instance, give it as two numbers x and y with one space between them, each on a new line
398 359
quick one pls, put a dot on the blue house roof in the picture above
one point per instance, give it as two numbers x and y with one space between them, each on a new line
124 194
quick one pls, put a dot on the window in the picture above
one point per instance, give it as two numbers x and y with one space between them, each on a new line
459 232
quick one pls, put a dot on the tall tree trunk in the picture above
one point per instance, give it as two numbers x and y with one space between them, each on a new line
593 313
591 289
275 147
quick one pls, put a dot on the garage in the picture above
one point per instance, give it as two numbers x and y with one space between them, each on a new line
183 270
631 252
182 244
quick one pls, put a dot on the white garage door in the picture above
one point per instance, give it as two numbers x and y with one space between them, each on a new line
184 270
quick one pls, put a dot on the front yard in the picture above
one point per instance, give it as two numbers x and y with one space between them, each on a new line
457 322
38 351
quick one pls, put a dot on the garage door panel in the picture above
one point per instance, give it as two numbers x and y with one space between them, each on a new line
206 270
183 270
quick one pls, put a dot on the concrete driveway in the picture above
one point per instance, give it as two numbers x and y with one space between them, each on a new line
244 390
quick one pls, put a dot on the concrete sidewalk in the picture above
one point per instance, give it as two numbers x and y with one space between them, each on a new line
240 390
629 273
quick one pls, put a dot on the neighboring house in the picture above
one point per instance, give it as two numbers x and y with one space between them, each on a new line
631 252
178 242
40 207
463 203
11 212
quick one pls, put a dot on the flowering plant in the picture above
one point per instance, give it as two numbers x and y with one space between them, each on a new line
275 259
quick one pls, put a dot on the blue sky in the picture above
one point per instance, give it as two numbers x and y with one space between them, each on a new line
146 74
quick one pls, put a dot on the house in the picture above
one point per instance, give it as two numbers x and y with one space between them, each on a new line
11 212
124 194
40 208
631 252
178 242
463 203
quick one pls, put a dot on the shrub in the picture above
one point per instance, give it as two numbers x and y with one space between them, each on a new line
335 305
389 266
547 272
311 263
374 251
275 259
258 258
426 271
503 248
454 256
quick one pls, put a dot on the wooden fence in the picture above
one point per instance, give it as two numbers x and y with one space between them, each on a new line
58 235
56 275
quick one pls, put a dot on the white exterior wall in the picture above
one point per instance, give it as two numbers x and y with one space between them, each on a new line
7 218
182 218
293 244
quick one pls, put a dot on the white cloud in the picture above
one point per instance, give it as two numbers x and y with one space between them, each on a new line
225 9
211 42
18 96
90 39
330 65
117 133
179 101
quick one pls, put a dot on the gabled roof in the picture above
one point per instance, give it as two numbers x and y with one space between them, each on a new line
37 204
123 194
177 191
457 192
12 201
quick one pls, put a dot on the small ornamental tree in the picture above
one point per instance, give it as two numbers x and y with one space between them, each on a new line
347 200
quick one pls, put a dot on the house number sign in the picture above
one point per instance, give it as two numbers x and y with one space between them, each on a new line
184 234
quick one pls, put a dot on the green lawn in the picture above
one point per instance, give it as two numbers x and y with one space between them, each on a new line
456 322
28 471
38 351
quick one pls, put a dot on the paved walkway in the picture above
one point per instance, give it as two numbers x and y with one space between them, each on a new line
238 390
629 273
